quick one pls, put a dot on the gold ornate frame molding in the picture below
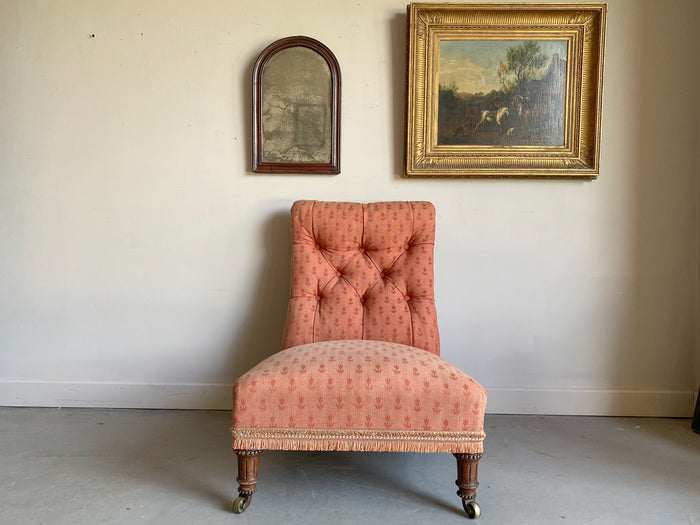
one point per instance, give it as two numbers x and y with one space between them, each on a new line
511 137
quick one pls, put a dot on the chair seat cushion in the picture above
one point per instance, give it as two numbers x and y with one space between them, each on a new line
358 395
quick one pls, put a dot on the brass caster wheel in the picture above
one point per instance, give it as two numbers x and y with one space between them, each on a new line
240 504
472 509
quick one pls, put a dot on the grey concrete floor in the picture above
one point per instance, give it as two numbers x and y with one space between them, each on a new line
78 466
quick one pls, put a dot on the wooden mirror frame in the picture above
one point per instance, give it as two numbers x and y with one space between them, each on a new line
259 165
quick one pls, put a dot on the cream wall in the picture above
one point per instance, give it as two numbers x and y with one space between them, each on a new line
143 264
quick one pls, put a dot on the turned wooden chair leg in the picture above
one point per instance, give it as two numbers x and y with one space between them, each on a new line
467 473
247 478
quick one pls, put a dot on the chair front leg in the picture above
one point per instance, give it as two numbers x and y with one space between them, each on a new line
467 473
247 478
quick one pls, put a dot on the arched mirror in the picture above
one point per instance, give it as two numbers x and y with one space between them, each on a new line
296 108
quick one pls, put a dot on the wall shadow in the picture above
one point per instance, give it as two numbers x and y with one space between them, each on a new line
399 64
260 332
246 107
658 334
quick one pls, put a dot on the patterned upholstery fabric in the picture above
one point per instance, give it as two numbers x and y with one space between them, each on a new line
407 397
362 271
360 366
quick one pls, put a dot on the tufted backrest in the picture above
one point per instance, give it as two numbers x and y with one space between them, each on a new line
362 271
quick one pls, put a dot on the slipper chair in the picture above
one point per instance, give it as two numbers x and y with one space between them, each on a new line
360 366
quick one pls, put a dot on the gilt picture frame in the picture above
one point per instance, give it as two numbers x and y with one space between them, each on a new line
504 90
296 108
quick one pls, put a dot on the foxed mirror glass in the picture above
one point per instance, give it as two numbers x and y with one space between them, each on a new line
296 108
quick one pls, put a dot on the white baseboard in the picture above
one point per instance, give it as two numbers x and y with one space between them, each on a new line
218 397
115 395
588 402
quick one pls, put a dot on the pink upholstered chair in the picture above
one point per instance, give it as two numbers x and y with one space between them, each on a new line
360 367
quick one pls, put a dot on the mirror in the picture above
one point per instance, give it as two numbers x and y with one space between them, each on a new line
296 108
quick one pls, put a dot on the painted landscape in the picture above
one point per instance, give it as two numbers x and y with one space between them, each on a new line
506 93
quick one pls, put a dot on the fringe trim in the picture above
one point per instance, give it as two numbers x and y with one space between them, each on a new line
357 440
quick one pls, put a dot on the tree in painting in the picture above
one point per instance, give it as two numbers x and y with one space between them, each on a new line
523 62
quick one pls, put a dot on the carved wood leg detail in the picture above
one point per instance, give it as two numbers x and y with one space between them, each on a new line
247 478
467 473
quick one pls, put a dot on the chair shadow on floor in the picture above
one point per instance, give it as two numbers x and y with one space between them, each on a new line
417 479
123 458
192 458
186 454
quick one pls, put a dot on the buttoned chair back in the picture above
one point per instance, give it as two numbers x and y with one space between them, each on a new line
362 271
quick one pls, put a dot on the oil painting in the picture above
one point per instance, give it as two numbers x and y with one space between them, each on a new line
502 92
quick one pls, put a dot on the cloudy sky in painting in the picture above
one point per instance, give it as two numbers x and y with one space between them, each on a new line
472 64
